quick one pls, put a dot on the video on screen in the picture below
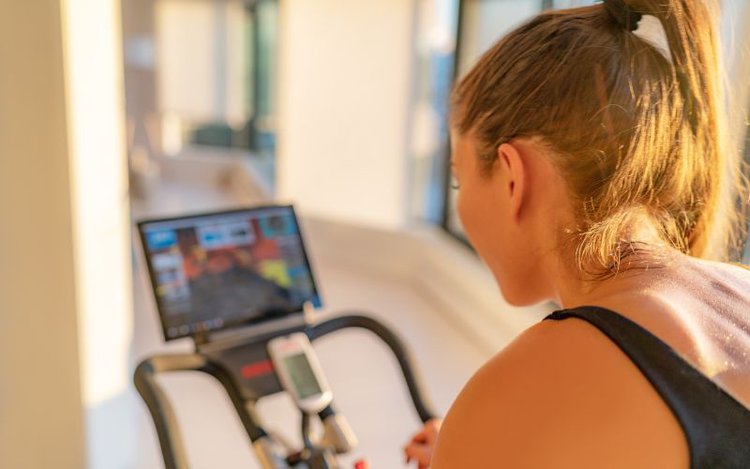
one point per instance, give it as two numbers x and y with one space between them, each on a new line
214 271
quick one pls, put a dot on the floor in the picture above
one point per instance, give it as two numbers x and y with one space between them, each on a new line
364 376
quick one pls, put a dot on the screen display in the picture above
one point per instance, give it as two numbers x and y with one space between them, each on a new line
213 271
303 378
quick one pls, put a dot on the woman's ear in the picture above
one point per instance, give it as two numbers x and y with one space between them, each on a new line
513 177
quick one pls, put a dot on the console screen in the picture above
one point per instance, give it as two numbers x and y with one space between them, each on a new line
302 375
214 271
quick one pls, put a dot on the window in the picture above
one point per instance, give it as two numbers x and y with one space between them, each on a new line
200 76
435 64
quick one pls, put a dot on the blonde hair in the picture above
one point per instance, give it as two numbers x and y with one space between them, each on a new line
631 130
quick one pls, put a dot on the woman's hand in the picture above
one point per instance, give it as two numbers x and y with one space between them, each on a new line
423 444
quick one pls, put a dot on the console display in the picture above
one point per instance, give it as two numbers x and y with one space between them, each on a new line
302 375
214 271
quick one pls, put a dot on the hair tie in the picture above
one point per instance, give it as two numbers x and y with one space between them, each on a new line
622 14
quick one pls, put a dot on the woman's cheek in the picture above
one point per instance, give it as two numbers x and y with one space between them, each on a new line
465 213
474 221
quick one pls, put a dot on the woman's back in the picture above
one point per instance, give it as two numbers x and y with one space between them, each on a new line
565 395
699 308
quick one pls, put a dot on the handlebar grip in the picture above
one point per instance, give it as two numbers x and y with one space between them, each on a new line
337 433
167 428
162 413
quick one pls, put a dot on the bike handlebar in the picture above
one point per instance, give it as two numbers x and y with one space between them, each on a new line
167 429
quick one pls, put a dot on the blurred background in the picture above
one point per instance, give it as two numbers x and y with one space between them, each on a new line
113 111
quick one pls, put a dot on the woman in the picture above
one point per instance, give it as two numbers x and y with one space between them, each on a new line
592 171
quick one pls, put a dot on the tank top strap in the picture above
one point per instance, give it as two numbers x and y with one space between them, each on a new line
716 425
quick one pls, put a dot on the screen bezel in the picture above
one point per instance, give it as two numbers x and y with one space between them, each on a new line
237 323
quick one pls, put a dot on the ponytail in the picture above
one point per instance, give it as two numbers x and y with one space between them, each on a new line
693 42
635 131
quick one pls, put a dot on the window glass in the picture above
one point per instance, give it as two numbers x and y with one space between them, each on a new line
200 76
434 71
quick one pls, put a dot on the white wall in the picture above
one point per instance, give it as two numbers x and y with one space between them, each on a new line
189 38
344 100
65 295
41 418
101 225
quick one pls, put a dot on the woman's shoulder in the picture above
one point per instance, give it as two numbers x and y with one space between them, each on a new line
560 395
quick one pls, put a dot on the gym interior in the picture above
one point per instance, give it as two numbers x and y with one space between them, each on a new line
113 112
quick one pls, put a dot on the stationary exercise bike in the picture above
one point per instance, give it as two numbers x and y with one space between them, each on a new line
238 283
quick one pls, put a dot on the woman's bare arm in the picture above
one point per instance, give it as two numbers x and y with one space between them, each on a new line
561 395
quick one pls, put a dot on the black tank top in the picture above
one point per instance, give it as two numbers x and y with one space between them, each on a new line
716 425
